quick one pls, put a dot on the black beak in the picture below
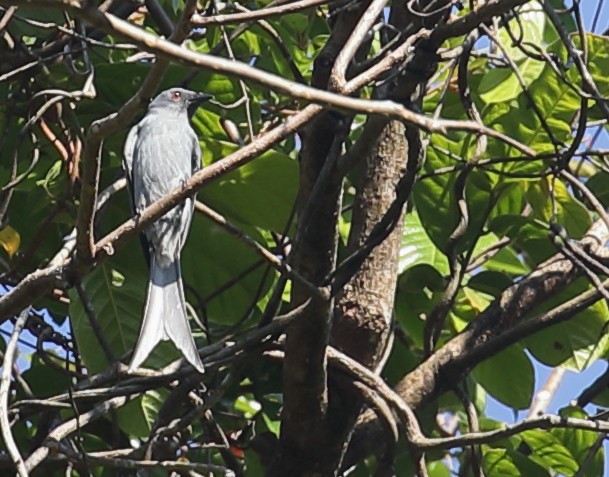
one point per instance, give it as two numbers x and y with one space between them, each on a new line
199 98
195 101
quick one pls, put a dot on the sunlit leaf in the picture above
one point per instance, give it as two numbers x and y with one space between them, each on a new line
10 240
549 452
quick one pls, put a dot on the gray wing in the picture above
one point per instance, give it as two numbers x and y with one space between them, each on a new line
196 155
189 203
128 153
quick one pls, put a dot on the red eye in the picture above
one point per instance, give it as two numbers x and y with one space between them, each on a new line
176 95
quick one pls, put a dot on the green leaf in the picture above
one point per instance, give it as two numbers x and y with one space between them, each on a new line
598 62
501 85
40 14
224 89
505 260
579 442
272 425
555 203
555 100
490 282
260 193
598 186
419 289
549 452
434 198
43 380
137 417
468 305
211 259
118 306
498 463
436 468
528 27
417 248
508 376
576 343
247 406
506 462
528 236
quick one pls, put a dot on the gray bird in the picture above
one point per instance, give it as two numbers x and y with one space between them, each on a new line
161 153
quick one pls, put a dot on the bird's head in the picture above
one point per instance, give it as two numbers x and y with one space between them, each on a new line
179 100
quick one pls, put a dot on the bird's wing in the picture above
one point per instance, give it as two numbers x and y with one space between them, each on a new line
196 155
128 153
187 209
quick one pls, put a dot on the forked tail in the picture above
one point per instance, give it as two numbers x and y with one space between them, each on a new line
165 316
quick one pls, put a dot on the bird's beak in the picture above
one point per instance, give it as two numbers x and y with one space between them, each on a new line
199 98
195 101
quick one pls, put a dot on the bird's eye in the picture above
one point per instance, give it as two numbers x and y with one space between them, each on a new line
176 95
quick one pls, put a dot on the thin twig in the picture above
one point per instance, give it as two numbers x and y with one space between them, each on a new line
272 259
5 384
270 11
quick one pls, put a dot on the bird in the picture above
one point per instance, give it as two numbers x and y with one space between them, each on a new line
161 153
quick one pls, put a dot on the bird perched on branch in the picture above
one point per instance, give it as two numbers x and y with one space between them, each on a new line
161 153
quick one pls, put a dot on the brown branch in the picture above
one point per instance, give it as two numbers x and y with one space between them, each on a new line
182 468
165 48
72 425
270 11
412 429
337 80
496 328
306 445
544 396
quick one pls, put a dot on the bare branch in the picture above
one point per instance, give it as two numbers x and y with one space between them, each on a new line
279 8
5 384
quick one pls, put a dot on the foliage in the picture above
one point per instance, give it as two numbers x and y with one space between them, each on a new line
489 217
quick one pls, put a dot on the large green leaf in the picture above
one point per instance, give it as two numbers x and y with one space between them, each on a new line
260 193
508 377
116 289
549 452
506 462
505 260
210 260
580 442
419 289
435 201
527 28
529 236
500 85
552 202
497 462
418 249
575 343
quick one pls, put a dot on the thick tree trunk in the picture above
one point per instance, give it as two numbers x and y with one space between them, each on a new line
362 319
305 442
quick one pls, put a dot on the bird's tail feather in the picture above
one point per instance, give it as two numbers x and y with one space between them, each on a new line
165 316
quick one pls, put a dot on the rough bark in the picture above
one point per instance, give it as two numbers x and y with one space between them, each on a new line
362 318
482 339
303 450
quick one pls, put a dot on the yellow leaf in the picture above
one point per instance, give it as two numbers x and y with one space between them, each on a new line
10 240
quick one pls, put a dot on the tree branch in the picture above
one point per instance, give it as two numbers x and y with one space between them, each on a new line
5 384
